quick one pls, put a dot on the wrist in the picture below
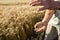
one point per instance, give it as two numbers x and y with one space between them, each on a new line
45 23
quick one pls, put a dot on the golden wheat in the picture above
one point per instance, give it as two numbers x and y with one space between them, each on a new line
17 21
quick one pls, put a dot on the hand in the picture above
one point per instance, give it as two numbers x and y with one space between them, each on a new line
48 4
40 27
33 1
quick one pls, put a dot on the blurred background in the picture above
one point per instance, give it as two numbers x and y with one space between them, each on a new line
17 20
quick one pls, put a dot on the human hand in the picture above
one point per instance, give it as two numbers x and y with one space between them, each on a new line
33 1
40 27
48 4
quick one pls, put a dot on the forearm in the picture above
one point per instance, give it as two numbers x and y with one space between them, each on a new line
48 15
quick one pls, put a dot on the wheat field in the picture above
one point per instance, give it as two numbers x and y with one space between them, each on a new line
17 19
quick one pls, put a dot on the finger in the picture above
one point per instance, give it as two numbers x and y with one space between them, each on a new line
35 29
37 24
35 3
38 3
32 2
40 29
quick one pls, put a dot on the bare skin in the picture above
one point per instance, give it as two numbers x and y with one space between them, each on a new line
49 5
43 24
